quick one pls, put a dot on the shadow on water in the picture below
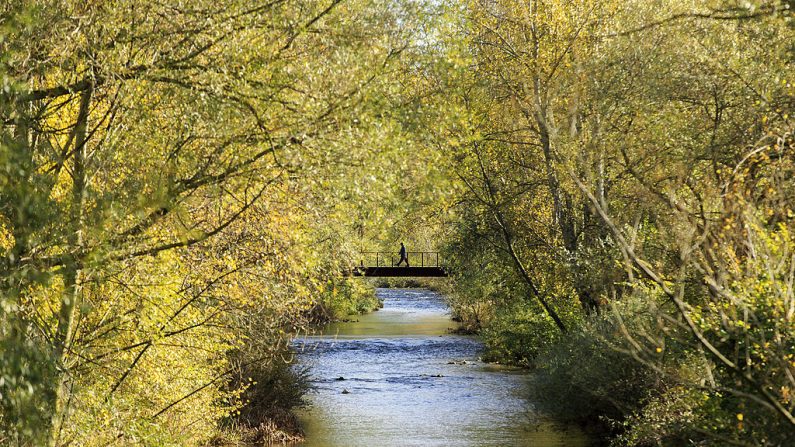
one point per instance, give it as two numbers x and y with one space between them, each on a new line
398 378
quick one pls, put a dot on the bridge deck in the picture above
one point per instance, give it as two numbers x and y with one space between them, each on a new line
400 272
424 264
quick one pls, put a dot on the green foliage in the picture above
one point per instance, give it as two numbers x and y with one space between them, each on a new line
517 335
346 297
25 372
658 394
594 383
635 157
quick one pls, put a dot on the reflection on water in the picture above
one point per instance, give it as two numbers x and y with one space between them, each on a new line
397 378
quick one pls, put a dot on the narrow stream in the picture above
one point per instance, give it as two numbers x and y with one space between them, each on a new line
398 378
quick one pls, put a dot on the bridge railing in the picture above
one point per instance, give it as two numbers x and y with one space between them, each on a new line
391 259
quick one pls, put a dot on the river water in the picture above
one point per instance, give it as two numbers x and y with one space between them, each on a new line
397 377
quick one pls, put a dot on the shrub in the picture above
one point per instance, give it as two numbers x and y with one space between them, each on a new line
582 378
517 335
342 297
271 391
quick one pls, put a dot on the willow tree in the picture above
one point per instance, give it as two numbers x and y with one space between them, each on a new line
152 159
531 55
694 116
519 100
638 152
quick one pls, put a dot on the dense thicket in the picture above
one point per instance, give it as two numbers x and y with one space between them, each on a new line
172 177
626 209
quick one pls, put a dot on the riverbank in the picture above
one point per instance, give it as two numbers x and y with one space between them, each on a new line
599 387
275 388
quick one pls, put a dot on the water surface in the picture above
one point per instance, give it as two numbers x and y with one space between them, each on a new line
397 377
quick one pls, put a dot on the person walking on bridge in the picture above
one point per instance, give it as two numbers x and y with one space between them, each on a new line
403 255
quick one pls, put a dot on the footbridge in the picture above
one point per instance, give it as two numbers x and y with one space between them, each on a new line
422 264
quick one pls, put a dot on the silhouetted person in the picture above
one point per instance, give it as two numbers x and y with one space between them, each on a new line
403 256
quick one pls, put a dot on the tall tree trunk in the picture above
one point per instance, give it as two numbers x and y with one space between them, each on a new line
563 210
70 301
19 211
562 202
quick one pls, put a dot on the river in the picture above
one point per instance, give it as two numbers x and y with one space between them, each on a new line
397 377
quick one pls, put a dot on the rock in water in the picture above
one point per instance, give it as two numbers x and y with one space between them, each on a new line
345 391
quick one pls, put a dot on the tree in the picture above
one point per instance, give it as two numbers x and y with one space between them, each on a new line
148 141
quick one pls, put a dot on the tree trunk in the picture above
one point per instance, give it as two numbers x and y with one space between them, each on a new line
563 214
70 302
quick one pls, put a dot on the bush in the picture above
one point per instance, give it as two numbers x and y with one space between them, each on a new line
582 378
342 297
652 390
516 335
272 390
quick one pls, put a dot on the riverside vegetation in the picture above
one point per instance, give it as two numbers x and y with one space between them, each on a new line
182 185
